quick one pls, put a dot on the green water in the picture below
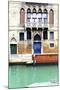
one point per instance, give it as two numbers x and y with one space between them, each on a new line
22 75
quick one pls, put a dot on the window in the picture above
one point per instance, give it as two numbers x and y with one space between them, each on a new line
34 10
28 10
34 17
51 17
40 16
51 44
21 36
22 17
51 35
40 21
28 13
40 11
28 35
45 34
28 20
40 29
45 16
45 21
13 48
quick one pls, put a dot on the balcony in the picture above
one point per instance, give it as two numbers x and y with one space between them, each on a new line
36 24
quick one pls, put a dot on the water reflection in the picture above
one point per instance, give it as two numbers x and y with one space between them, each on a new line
22 75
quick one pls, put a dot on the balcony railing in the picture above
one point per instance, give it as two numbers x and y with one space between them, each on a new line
35 24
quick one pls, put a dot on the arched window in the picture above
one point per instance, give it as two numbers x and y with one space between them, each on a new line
51 17
28 15
28 10
40 10
45 16
40 16
37 37
22 16
45 11
34 16
34 10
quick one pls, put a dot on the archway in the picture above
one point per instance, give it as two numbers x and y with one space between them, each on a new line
37 37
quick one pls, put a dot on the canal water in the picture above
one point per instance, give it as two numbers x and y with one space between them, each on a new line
36 75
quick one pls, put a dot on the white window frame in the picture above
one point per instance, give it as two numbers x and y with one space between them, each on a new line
50 36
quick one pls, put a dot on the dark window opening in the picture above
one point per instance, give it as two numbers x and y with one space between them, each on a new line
39 29
39 11
45 34
28 10
21 36
13 48
28 35
34 10
51 44
34 29
45 11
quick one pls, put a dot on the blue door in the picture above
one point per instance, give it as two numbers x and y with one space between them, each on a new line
37 47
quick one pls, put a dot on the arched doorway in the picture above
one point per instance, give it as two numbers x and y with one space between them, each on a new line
37 44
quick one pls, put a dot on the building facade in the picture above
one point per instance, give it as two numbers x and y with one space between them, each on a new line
33 32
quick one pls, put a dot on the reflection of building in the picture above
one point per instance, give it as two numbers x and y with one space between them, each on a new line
33 32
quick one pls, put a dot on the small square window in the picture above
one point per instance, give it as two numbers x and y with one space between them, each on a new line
51 44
